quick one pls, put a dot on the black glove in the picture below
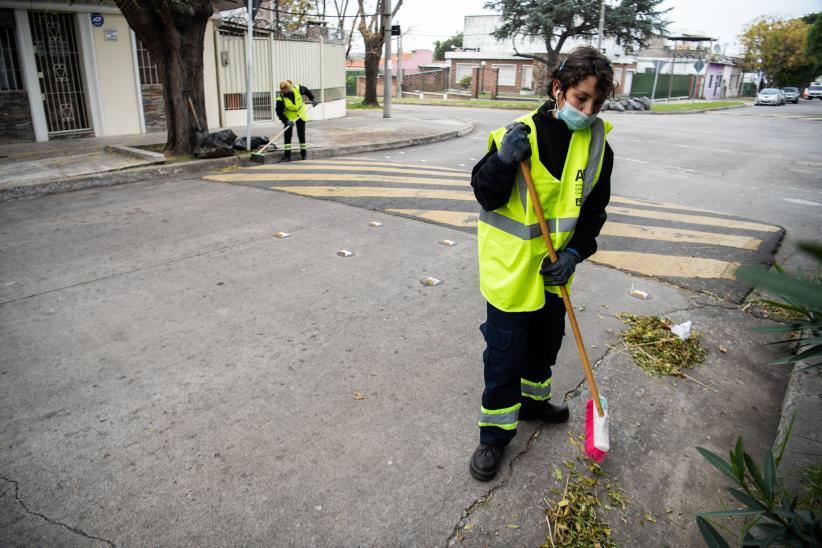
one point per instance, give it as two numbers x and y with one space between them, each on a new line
289 123
516 146
559 272
314 103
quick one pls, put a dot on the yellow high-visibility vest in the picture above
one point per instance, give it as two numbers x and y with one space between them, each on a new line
296 108
510 245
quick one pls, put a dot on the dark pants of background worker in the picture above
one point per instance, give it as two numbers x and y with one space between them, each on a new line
300 123
520 345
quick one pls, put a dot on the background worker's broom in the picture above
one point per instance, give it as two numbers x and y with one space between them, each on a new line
596 422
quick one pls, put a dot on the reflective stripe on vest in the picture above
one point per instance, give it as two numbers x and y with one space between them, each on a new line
525 232
536 391
501 418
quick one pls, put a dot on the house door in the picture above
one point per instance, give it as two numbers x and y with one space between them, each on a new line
58 69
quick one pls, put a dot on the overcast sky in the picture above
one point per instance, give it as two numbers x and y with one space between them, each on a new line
431 20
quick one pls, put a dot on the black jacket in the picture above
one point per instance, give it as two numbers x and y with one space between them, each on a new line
493 180
281 104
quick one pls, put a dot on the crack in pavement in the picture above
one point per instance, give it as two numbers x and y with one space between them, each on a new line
53 522
486 498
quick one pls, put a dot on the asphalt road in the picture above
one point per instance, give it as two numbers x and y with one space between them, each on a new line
760 163
668 219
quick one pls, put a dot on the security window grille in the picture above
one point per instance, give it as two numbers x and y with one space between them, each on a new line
10 77
149 73
58 66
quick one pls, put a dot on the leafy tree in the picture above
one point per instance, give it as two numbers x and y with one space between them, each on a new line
290 15
440 47
779 49
174 33
630 22
373 38
815 44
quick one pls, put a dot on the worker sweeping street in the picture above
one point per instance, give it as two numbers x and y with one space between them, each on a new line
562 147
291 111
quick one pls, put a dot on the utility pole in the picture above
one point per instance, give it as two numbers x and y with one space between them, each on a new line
386 32
399 66
601 24
249 75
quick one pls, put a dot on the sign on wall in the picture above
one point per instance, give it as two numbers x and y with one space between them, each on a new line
97 19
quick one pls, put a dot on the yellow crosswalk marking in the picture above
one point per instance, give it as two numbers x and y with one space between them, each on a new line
363 163
463 219
468 219
376 192
679 235
271 177
661 205
316 169
651 264
692 219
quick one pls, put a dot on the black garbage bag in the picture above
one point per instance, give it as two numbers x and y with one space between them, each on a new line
256 142
217 145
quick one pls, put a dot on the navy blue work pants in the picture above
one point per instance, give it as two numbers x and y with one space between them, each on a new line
520 349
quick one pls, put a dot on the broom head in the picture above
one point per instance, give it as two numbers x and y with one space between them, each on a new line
596 430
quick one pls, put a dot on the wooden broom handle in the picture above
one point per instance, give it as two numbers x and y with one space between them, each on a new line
569 308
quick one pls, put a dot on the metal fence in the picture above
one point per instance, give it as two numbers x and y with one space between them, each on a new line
314 58
667 85
430 80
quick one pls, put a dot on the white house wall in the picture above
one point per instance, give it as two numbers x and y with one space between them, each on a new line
212 100
116 76
478 29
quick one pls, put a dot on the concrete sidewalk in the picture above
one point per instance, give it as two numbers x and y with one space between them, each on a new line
33 169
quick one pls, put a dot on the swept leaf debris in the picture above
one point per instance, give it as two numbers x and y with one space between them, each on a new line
656 350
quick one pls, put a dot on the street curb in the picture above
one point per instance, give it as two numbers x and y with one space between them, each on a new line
800 400
145 173
139 153
677 112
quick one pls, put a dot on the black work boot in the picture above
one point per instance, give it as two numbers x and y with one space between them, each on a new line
286 157
485 461
303 154
544 411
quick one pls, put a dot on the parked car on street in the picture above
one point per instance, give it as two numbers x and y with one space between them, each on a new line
770 96
791 95
814 91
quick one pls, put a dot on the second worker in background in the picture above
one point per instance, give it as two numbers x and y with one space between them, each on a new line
291 111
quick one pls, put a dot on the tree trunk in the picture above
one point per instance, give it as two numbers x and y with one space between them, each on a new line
373 49
174 34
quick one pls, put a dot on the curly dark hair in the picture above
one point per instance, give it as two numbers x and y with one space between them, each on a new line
581 63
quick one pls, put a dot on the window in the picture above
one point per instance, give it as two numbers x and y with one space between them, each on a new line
507 74
711 81
149 74
10 76
463 70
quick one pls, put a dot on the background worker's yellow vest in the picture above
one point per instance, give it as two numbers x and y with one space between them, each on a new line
296 108
510 244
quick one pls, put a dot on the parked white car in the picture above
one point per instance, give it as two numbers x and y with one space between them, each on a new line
770 96
814 91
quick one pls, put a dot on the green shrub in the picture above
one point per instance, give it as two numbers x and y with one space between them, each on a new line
772 516
800 294
465 82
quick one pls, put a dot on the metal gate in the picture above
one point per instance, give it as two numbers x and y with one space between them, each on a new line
58 68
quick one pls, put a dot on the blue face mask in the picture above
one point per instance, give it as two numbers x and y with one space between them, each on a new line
574 118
